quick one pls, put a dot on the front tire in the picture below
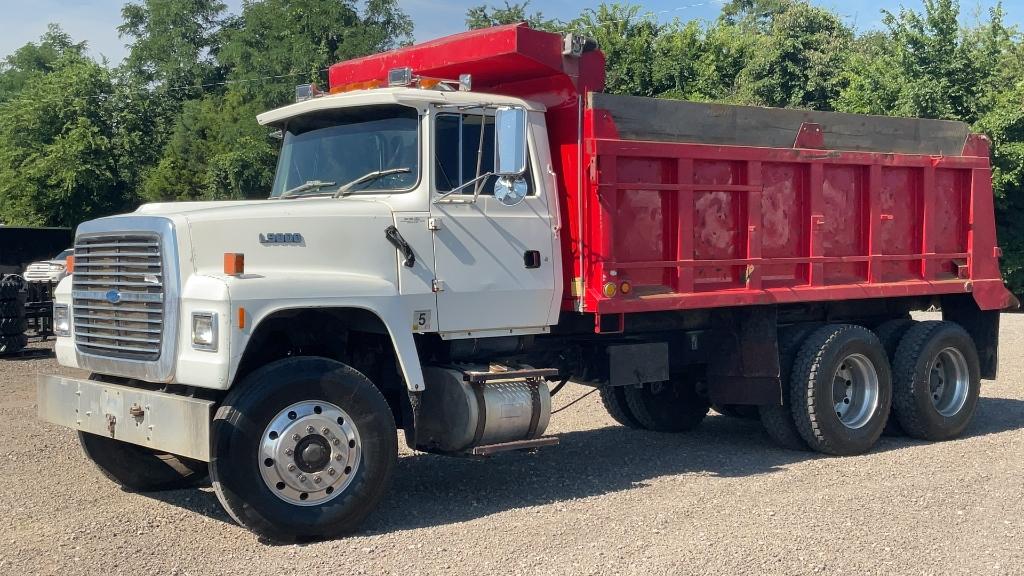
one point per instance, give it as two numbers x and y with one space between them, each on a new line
140 469
841 390
303 448
936 381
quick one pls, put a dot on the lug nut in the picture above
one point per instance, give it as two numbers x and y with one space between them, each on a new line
316 479
302 478
289 451
336 441
291 467
330 471
310 429
325 431
337 457
296 437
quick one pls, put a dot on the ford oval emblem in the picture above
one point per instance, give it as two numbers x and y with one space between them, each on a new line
113 296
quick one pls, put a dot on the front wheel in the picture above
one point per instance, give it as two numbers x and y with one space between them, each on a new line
303 448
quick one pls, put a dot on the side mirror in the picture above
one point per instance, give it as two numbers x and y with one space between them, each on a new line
509 141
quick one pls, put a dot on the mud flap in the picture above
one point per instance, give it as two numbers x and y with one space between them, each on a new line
744 359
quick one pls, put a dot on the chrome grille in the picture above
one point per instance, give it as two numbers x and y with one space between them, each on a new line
118 296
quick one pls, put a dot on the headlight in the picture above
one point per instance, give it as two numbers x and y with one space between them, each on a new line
204 331
61 320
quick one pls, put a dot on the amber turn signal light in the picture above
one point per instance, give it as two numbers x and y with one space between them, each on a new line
234 263
69 264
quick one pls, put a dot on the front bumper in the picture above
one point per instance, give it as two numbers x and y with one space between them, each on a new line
164 422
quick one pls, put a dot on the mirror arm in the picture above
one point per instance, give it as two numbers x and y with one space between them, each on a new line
476 194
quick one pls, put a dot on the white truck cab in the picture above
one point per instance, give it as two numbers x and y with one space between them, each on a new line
398 217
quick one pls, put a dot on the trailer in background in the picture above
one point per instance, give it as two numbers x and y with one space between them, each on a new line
26 308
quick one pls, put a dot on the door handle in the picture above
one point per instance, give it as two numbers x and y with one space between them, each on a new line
393 236
531 259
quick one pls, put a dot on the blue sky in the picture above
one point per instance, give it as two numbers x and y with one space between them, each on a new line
96 20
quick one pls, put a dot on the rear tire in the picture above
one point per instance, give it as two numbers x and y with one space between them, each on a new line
13 343
13 326
140 469
936 381
12 308
673 406
778 419
303 448
614 400
841 390
10 290
889 334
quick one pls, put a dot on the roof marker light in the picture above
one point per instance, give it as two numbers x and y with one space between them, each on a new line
400 76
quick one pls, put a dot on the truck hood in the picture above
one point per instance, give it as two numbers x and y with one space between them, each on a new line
291 237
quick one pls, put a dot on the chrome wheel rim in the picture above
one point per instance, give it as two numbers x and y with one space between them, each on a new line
855 391
309 453
948 382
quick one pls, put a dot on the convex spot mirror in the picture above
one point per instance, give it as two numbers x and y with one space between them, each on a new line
509 141
511 190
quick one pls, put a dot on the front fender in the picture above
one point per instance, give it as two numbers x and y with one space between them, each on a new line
263 296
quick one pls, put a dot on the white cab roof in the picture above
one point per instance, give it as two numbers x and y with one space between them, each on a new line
415 97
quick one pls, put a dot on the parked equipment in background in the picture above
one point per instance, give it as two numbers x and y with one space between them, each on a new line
49 271
12 315
30 273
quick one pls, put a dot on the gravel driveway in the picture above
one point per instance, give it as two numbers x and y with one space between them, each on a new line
608 500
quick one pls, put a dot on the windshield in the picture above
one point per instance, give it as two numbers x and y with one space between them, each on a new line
63 255
378 146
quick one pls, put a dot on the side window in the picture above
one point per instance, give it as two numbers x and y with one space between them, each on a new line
463 148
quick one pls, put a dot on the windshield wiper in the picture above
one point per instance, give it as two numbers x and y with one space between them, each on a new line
309 185
369 177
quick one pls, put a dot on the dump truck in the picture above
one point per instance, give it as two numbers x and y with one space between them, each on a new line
457 228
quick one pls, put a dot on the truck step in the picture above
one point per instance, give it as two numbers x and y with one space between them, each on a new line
489 449
495 375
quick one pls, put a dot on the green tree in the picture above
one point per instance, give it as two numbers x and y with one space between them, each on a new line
32 60
294 41
59 161
485 16
628 40
216 151
173 42
798 60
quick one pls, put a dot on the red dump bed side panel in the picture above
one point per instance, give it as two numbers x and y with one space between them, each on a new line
696 225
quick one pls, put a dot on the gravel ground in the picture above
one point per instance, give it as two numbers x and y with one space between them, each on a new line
608 500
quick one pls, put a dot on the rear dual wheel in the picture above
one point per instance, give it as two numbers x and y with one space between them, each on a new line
672 406
841 389
936 381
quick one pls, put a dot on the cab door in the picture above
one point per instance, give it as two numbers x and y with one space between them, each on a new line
494 264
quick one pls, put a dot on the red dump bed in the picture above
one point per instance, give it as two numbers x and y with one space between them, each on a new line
852 207
698 205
